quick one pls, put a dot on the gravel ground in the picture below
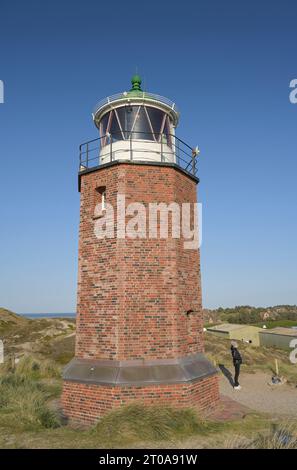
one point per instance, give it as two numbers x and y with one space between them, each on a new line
257 395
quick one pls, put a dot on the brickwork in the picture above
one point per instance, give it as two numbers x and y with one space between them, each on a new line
84 403
133 294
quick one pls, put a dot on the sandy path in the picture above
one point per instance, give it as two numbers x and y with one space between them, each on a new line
258 395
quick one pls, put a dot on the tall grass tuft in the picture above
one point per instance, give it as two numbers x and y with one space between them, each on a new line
138 422
281 436
31 367
23 404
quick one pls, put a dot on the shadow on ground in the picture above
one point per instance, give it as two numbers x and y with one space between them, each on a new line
227 374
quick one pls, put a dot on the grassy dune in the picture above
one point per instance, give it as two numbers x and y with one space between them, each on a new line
42 338
30 418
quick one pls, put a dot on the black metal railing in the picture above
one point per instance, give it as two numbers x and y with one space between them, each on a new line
166 148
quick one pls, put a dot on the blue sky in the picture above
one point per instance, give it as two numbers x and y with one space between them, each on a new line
227 65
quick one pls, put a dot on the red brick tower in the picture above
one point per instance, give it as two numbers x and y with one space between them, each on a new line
139 316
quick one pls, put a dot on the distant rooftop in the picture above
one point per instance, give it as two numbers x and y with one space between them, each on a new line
281 331
226 327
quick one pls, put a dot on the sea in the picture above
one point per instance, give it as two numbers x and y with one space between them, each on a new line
35 316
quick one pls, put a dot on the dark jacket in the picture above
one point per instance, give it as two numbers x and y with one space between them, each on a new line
236 356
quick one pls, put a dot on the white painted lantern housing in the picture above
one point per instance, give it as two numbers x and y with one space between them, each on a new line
136 125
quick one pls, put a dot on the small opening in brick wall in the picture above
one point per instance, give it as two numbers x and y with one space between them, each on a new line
100 201
188 312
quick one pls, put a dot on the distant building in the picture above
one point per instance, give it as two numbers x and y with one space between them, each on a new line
265 315
230 331
277 337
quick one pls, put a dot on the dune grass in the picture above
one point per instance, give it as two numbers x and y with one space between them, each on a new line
28 421
23 404
282 435
136 422
27 388
31 367
24 393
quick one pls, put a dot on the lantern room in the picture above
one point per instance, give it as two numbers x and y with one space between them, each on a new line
136 125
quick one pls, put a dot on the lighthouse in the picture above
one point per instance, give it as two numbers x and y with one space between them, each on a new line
139 327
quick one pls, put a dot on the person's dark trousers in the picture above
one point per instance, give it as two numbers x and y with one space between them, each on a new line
236 376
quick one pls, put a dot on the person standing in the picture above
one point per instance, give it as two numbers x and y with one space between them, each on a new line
237 361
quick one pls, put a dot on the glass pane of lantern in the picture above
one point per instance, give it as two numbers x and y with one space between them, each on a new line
115 130
103 124
141 128
134 119
123 114
166 132
156 118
